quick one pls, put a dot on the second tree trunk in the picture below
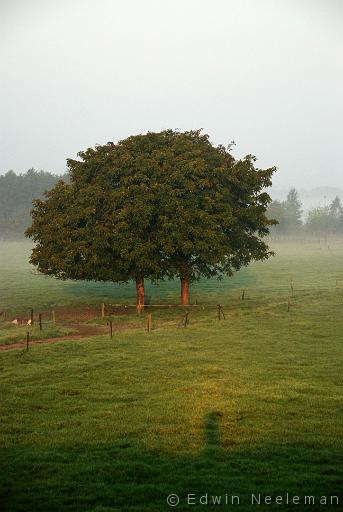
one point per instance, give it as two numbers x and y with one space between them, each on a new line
184 291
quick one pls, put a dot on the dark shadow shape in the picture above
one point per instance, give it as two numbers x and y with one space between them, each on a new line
212 434
123 477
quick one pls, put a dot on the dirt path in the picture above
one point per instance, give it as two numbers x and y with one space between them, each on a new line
83 331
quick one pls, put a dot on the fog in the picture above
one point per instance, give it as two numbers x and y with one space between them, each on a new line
265 73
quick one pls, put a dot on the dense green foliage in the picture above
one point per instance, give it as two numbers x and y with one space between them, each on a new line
16 195
159 205
249 404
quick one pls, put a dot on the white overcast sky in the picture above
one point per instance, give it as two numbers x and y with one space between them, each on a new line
266 73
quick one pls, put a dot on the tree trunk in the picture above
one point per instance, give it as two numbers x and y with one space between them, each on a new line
185 290
139 294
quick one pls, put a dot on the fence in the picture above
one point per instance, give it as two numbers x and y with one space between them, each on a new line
100 318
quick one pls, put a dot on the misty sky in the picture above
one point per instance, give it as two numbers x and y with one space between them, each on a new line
266 73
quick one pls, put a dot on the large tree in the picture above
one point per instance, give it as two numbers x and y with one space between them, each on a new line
153 206
99 226
213 216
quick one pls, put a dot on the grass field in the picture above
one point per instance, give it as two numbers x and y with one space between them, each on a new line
250 404
11 334
313 266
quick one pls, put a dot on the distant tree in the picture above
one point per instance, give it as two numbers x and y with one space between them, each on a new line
326 219
288 213
153 206
318 220
293 210
16 195
336 213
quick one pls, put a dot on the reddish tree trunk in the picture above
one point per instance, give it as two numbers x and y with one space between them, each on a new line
185 291
139 294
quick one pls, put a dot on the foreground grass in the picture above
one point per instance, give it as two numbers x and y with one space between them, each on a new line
249 404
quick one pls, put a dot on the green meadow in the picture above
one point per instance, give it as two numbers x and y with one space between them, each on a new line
314 266
247 405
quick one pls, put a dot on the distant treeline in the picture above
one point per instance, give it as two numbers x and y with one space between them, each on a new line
322 220
18 191
16 195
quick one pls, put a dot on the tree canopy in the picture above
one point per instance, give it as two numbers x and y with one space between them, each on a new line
153 206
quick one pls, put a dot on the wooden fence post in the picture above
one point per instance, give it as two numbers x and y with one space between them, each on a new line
111 329
184 320
243 294
149 323
220 312
102 310
40 321
289 304
27 341
31 316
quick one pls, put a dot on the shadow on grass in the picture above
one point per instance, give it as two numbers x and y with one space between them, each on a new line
121 477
